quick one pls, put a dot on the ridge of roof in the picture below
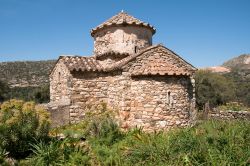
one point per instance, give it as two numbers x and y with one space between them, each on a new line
114 53
122 18
126 60
129 58
90 63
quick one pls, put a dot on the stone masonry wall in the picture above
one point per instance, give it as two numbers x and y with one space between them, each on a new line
229 115
89 88
160 102
59 114
123 39
60 83
152 103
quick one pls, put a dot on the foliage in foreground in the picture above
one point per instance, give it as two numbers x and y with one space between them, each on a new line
99 141
209 143
22 123
56 152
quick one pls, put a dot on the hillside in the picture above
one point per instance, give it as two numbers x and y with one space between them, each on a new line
241 62
238 67
26 73
36 73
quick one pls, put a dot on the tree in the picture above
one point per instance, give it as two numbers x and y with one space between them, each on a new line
241 79
42 95
213 88
4 89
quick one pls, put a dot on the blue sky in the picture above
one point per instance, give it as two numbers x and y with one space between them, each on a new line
204 32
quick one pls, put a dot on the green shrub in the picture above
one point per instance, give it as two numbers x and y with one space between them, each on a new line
22 123
3 157
57 152
207 143
4 88
105 131
213 88
46 154
38 94
102 133
146 148
210 143
233 106
98 123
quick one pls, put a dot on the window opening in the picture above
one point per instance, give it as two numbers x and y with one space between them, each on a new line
169 98
135 49
59 76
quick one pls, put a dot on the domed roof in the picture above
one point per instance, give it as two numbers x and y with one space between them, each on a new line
122 18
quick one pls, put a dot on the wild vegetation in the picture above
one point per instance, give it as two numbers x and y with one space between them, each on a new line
26 73
27 139
241 80
22 123
218 89
27 80
213 88
98 140
38 94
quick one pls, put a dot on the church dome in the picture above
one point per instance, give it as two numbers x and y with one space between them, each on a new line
121 35
122 19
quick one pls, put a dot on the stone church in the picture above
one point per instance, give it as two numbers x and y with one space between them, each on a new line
150 85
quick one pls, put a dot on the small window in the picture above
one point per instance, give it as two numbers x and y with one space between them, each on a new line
135 49
169 97
59 76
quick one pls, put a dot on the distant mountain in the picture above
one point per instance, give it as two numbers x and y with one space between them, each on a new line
241 62
218 69
26 73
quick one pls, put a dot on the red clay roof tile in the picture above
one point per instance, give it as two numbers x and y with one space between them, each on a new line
122 18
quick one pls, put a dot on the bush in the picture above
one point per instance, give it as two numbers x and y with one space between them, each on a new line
213 88
98 123
58 152
102 133
3 157
38 94
22 123
4 88
233 106
41 95
242 82
210 143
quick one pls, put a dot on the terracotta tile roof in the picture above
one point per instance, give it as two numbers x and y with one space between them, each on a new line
151 65
79 63
122 18
113 53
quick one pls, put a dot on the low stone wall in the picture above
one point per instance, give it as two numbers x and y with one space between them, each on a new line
229 115
59 114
